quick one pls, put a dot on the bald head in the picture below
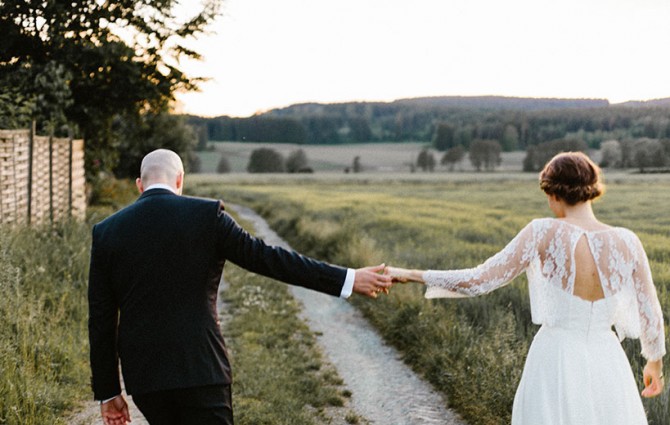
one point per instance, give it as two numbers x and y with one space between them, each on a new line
161 166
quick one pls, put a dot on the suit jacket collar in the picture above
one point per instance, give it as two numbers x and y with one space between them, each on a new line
155 192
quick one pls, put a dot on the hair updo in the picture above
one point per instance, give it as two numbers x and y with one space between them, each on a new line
572 177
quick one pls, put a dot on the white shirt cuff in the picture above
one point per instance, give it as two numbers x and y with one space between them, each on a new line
108 400
348 286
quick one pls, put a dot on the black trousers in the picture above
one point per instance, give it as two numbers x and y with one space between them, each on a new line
210 405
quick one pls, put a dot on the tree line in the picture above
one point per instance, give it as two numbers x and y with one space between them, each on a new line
515 123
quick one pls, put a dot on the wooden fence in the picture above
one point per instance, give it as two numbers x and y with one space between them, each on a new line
41 178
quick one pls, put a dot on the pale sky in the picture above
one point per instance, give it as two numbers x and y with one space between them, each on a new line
272 53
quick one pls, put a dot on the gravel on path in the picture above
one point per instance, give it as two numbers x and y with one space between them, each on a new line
385 390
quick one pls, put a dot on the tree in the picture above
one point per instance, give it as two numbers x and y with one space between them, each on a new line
647 153
149 132
265 160
510 138
195 164
611 154
224 165
16 109
426 160
453 156
537 156
356 166
360 130
485 153
444 137
100 76
296 161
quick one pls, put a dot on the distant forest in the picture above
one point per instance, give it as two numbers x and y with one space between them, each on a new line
516 123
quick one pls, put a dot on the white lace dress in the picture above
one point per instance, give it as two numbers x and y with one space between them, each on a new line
576 372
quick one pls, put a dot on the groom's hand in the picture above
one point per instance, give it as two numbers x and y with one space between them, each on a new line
115 411
370 281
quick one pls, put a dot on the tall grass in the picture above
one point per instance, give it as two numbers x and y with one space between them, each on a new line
279 374
472 349
44 370
43 349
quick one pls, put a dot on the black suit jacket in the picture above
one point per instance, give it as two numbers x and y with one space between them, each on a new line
155 270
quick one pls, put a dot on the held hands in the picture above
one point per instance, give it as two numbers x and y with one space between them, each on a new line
370 281
115 411
653 379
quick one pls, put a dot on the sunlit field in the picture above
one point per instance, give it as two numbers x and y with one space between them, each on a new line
472 350
377 157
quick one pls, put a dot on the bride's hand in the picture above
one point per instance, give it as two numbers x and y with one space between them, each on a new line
653 378
400 275
396 274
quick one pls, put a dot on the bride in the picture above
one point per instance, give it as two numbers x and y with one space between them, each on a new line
583 277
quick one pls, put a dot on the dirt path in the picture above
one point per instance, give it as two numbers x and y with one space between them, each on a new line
385 390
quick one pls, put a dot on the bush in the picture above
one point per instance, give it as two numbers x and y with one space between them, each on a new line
224 165
266 160
297 161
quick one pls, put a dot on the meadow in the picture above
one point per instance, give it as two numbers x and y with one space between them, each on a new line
374 157
472 350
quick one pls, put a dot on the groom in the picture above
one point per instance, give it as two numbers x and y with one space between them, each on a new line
155 270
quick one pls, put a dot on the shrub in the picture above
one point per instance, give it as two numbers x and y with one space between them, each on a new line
297 161
266 160
224 165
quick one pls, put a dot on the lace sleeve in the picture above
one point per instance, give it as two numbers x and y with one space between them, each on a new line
652 332
492 274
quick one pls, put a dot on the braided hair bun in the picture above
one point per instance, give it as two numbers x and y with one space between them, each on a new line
572 177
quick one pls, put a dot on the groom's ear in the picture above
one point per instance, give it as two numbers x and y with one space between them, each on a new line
140 186
179 183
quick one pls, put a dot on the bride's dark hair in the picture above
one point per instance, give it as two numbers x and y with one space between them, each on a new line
572 177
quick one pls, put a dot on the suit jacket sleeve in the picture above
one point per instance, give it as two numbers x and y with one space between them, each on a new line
102 326
253 254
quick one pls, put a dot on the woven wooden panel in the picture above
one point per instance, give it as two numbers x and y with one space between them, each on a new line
21 169
57 168
40 205
60 175
78 181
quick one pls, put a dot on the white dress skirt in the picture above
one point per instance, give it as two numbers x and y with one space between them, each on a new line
577 373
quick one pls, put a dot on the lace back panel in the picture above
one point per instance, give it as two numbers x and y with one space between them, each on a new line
544 249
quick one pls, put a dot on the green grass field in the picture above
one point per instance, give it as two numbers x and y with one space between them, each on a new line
473 350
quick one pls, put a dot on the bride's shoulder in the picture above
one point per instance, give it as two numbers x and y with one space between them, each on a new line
626 233
543 223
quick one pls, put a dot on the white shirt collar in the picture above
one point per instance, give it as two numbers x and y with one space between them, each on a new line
161 186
